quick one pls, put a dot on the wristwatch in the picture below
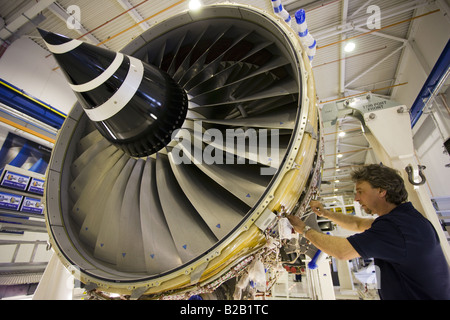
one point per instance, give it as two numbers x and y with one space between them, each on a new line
306 229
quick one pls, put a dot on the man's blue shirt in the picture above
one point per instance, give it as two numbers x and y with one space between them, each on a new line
406 248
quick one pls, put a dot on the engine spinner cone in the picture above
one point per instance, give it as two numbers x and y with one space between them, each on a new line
134 105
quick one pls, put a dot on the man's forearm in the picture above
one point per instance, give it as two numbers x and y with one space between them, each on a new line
348 222
337 247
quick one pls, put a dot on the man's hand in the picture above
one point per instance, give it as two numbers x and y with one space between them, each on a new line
297 223
317 207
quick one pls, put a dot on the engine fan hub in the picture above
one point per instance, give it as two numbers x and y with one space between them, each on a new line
134 105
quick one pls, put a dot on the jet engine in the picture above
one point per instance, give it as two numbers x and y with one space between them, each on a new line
234 144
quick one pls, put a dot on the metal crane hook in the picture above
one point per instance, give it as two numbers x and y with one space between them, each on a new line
409 171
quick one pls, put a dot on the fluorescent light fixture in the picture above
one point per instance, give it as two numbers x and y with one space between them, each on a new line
195 4
349 47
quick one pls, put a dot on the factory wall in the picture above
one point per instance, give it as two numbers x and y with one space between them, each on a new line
35 75
430 150
427 40
28 67
419 58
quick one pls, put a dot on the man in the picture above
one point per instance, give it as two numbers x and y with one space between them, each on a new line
403 243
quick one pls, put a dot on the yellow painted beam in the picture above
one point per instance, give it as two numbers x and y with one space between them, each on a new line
27 130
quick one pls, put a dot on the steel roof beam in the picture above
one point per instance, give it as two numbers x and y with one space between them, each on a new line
134 14
23 18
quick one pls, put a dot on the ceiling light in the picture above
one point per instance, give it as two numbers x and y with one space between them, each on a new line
194 4
341 134
336 180
339 155
349 47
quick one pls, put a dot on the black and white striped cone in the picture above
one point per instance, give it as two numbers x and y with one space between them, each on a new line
134 105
